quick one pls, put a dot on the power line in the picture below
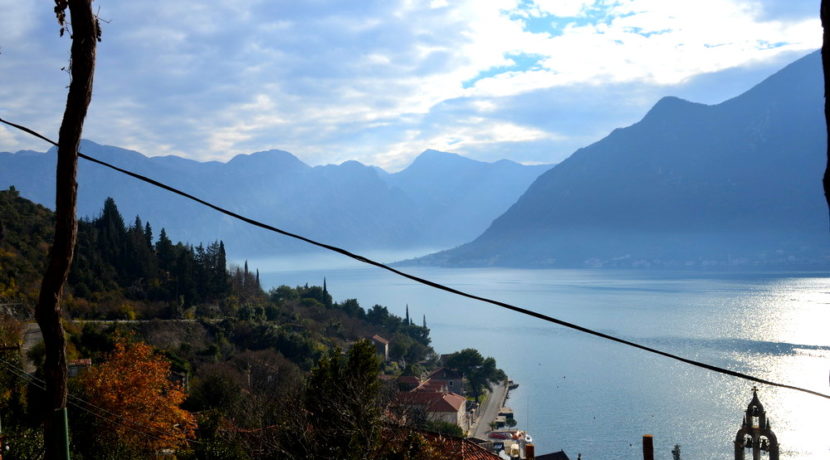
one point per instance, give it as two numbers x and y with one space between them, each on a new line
92 409
425 281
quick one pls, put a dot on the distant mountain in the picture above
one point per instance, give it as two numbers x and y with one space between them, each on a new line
690 185
441 200
459 197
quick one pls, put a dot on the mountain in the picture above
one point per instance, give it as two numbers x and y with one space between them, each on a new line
690 185
441 200
459 197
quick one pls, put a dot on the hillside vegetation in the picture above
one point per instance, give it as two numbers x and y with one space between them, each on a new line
254 362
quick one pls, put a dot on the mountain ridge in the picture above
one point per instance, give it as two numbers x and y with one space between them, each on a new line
350 204
688 185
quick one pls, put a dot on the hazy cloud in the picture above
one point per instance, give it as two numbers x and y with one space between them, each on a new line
381 81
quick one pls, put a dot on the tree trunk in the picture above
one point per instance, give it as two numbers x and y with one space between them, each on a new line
48 310
825 61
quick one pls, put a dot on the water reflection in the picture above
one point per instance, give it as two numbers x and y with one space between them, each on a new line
586 395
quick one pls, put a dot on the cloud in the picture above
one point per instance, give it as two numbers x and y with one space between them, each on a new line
382 81
560 8
16 21
654 41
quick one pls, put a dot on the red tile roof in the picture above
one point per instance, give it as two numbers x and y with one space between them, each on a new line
459 448
441 446
444 373
433 401
433 386
380 339
409 380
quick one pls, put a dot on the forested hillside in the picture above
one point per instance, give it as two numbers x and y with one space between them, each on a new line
249 358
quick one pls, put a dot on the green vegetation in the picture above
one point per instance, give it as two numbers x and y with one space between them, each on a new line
480 372
264 372
25 228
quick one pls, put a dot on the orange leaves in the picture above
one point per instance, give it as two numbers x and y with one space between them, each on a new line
134 384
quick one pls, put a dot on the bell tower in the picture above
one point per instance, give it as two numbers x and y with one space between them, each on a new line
755 433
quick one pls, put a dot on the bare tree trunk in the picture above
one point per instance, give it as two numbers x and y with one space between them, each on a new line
825 60
48 310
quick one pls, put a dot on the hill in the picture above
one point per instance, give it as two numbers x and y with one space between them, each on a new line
459 197
290 369
690 185
441 200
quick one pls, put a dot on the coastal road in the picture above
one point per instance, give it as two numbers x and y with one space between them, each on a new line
489 411
31 337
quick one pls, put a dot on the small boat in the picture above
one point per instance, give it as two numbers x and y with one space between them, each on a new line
511 385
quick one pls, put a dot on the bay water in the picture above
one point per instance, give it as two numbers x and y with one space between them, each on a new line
597 398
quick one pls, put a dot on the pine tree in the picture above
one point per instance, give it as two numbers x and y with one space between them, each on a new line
148 235
111 233
342 400
164 251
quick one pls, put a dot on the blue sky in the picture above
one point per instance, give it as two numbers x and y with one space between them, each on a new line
381 81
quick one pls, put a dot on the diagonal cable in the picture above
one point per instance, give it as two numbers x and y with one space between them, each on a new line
429 283
91 409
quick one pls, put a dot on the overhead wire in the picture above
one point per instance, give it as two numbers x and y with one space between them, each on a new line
425 281
90 408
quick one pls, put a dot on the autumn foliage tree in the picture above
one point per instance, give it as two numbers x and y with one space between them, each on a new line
133 386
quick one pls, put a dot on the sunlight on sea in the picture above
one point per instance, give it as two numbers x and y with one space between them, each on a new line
597 398
796 311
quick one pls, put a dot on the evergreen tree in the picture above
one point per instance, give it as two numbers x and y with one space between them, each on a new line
480 372
111 233
164 251
342 400
148 235
139 262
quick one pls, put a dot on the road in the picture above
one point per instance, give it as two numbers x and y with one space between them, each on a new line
31 337
489 410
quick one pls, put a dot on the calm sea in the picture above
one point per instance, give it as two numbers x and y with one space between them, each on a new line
585 395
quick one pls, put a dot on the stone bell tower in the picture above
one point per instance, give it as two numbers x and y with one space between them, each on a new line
755 433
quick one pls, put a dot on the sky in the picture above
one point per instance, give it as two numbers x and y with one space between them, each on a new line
381 81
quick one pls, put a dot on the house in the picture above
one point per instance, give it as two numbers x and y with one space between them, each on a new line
437 406
448 447
408 382
381 345
433 386
454 379
459 448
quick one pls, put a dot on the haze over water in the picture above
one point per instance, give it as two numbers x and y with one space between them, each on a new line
590 396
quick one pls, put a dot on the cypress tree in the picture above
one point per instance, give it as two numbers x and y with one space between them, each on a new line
164 251
148 235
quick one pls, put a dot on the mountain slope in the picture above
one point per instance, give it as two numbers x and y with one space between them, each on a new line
459 197
688 185
433 203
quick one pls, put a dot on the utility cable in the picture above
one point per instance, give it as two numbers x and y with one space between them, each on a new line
427 282
92 409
